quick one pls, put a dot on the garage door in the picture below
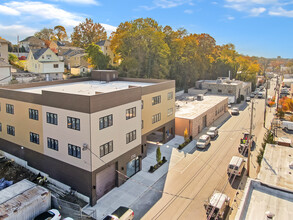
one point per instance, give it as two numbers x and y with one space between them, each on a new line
105 181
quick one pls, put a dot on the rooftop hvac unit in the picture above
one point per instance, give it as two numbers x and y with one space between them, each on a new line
199 97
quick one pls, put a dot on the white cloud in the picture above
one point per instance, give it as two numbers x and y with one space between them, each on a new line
10 32
188 11
257 11
85 2
281 12
8 11
44 11
109 28
230 18
166 4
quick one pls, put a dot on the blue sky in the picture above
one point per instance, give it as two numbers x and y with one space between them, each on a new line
255 27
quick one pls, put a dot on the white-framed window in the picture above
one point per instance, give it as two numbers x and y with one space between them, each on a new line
170 111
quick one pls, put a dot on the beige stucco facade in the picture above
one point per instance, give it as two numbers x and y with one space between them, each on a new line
116 133
67 136
108 52
22 123
149 110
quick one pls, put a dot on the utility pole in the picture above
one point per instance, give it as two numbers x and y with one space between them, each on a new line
18 46
266 99
249 138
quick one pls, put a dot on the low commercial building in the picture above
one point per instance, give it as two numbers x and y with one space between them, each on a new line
88 133
272 193
195 114
225 86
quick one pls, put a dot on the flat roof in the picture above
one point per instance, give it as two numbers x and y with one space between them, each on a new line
87 88
275 168
189 109
260 198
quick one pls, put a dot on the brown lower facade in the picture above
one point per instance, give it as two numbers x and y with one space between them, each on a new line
91 184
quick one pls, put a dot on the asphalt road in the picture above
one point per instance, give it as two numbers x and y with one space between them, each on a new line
196 176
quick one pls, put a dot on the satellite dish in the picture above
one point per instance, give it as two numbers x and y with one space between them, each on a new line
84 146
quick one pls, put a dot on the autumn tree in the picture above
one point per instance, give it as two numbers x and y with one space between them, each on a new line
96 57
141 46
60 32
46 34
88 32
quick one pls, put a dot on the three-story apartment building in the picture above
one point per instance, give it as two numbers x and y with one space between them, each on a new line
88 133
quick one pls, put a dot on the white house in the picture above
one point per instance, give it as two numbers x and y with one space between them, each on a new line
45 61
5 72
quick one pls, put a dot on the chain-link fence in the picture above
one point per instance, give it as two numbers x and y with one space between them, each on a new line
68 209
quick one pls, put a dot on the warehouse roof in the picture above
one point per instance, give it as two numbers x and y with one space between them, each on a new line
261 199
190 108
86 87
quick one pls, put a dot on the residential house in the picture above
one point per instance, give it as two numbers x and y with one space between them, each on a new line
4 50
65 53
78 64
5 72
105 47
46 62
31 43
88 133
5 68
55 45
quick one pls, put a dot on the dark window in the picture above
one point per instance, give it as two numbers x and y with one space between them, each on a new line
130 113
141 104
73 123
219 90
52 144
106 148
156 118
156 100
170 111
34 138
141 124
33 114
74 151
209 90
0 126
56 65
52 118
106 121
10 130
170 95
131 136
9 109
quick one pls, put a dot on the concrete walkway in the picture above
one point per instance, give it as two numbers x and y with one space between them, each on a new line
131 191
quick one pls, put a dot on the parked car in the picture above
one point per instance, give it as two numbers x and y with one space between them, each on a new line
247 99
229 105
122 213
235 111
203 141
260 95
252 95
213 132
236 166
52 214
287 125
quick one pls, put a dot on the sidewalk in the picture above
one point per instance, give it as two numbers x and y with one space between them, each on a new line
131 191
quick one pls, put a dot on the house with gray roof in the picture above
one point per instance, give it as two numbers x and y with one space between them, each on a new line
105 48
32 42
45 62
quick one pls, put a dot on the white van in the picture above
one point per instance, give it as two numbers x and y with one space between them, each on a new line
213 132
236 166
287 125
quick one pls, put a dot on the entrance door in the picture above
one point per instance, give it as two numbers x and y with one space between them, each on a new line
133 167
